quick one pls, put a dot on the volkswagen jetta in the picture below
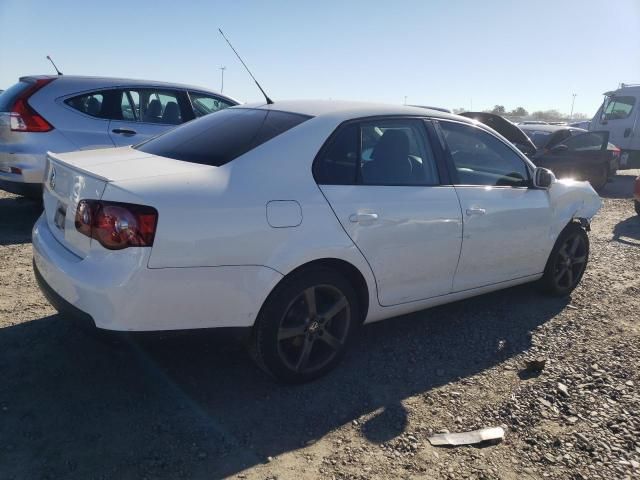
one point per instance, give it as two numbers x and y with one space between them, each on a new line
301 221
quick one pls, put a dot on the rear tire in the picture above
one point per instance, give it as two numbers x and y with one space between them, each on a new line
567 261
305 325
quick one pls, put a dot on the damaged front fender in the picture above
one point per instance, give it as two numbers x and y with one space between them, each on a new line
571 199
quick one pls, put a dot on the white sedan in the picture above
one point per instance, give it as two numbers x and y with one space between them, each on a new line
300 221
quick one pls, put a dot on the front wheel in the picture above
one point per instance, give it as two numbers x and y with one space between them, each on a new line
567 262
305 325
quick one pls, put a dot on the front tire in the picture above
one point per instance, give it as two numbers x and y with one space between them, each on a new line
305 325
567 262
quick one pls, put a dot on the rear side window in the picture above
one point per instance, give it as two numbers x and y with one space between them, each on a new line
91 104
9 96
219 138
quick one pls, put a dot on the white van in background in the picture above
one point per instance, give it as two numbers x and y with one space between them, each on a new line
618 115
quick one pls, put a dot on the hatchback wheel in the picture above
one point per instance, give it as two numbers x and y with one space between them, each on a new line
567 262
305 325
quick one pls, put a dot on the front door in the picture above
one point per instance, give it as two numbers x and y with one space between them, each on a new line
619 116
381 179
506 222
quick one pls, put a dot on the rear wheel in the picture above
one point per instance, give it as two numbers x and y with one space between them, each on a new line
567 262
305 325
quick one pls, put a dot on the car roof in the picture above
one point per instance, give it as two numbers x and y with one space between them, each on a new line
348 109
95 82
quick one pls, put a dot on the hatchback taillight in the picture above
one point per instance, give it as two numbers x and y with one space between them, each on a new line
117 225
23 118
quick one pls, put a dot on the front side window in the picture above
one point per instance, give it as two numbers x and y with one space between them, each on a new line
586 141
389 152
156 106
618 108
482 159
204 104
219 138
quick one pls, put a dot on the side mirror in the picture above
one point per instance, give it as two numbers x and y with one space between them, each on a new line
543 178
559 148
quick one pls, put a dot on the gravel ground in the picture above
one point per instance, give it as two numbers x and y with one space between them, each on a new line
78 405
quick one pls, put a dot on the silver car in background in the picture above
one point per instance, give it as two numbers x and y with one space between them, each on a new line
66 113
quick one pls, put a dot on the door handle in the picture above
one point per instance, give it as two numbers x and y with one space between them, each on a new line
363 217
475 211
124 131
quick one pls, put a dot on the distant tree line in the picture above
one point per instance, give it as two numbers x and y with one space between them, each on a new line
521 113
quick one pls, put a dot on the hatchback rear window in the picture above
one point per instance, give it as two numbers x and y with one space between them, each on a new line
9 96
220 137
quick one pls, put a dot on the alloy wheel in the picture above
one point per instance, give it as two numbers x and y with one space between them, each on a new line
570 262
314 328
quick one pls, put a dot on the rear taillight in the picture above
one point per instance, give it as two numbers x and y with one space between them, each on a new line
636 188
23 118
117 225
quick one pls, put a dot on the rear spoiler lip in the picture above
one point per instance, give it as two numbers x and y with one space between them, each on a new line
53 156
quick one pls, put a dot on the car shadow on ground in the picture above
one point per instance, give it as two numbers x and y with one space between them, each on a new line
620 186
17 216
76 405
628 231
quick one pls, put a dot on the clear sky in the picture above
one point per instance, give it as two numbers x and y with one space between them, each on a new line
451 53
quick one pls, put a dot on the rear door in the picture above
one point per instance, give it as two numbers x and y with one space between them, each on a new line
387 190
506 222
583 157
87 125
147 112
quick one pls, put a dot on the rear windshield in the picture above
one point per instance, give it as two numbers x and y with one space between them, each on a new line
9 96
222 136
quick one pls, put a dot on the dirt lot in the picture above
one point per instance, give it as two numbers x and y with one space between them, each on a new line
74 405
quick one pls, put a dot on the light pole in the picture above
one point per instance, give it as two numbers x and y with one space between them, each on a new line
222 69
572 103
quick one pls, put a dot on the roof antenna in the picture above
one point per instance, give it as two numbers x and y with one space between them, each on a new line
269 101
54 65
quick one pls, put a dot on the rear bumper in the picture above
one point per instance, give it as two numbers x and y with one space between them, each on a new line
119 292
59 303
31 167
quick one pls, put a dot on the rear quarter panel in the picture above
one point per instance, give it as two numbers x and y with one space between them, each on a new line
218 217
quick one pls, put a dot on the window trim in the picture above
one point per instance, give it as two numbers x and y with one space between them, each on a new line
452 167
422 126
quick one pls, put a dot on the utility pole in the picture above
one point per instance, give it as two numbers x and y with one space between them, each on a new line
222 69
405 99
572 103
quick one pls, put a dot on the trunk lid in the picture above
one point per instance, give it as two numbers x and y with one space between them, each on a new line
64 186
71 177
